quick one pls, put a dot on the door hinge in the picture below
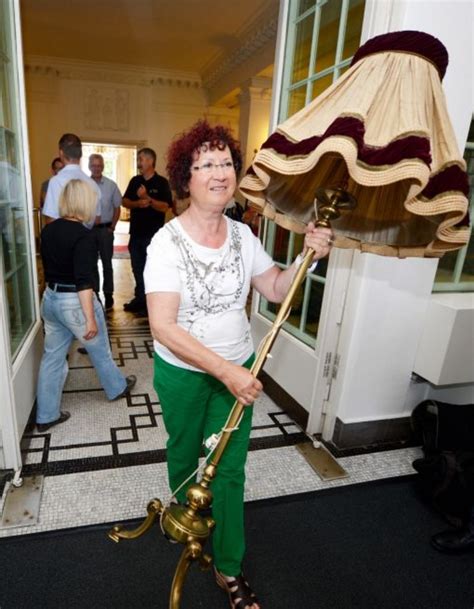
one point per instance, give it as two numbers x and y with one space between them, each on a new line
327 364
335 368
330 372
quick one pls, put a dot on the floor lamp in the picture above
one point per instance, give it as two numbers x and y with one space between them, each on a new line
374 157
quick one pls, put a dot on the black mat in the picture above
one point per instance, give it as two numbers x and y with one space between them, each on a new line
356 547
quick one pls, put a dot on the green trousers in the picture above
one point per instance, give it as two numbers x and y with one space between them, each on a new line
196 405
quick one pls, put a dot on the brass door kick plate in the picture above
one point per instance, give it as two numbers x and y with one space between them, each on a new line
323 463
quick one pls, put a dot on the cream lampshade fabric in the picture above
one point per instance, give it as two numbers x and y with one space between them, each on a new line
381 132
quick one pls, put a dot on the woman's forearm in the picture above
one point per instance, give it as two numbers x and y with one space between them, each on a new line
189 349
87 303
283 282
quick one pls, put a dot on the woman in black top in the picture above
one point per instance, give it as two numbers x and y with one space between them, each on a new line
70 308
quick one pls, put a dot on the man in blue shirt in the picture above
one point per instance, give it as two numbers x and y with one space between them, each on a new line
104 230
70 153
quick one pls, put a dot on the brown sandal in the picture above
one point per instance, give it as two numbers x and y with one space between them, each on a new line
238 590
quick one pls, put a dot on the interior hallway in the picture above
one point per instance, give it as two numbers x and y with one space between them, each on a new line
109 459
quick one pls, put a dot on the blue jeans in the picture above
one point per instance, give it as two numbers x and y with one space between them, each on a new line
63 321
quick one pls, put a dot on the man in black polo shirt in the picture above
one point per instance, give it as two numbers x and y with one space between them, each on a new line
148 196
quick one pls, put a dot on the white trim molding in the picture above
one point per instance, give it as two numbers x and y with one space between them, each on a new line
249 40
73 69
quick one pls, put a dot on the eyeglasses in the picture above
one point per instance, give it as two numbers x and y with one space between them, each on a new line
210 167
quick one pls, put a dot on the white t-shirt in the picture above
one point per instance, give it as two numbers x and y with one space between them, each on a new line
213 285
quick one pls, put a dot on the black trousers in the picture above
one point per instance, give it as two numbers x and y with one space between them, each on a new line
137 247
104 238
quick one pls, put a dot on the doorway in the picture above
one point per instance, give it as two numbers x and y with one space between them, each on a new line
120 165
120 161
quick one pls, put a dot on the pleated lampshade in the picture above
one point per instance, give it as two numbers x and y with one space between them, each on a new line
382 133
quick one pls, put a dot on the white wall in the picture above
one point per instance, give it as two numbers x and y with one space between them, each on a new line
386 301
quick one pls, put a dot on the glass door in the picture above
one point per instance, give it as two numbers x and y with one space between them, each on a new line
14 215
316 42
321 39
20 328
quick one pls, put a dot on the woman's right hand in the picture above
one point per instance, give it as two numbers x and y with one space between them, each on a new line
91 329
241 383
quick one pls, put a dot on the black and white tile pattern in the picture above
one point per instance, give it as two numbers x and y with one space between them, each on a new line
109 459
130 431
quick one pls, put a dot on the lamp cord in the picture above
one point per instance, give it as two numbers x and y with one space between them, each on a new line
215 438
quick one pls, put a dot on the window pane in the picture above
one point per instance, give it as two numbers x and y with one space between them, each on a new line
296 100
468 266
328 33
458 267
321 84
304 5
280 246
303 37
343 69
322 268
14 221
446 267
314 308
298 243
353 28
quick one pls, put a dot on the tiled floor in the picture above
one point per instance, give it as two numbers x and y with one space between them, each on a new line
109 459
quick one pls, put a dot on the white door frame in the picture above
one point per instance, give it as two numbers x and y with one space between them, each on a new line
18 379
327 340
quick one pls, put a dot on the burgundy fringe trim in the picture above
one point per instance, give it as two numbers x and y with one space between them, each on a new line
409 147
451 178
408 41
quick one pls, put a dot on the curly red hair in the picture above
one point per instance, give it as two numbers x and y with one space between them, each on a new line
182 149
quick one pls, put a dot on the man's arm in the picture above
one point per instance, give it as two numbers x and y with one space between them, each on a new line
42 196
50 209
165 201
115 218
129 204
159 205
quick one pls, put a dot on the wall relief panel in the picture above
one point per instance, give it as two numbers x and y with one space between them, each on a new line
106 109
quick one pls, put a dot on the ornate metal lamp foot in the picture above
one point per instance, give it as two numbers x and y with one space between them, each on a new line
192 551
154 509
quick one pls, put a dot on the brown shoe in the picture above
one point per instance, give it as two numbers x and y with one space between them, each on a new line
131 380
238 590
63 416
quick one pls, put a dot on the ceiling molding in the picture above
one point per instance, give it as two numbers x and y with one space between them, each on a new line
251 39
73 69
257 89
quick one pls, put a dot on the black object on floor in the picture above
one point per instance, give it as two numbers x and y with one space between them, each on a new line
363 546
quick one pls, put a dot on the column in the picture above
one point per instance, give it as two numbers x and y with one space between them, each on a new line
255 101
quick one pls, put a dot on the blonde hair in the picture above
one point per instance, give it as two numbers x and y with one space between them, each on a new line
79 200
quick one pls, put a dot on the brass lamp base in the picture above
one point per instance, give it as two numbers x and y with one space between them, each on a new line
183 523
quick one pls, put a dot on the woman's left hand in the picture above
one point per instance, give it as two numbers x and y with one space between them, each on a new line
318 239
91 329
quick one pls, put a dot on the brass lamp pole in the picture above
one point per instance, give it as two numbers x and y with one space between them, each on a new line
183 523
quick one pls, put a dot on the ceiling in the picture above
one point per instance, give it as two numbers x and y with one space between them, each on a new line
169 34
